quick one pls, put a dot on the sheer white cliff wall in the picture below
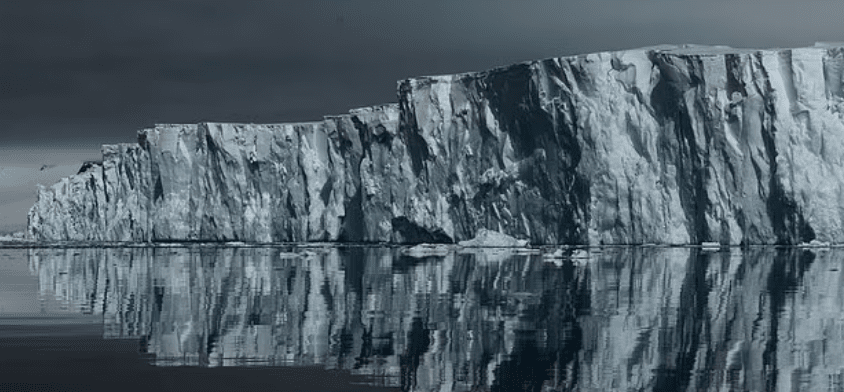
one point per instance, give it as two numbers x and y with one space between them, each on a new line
669 145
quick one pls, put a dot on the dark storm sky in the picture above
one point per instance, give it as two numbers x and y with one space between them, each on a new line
78 73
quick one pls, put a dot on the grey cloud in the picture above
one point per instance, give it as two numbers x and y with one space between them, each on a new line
100 70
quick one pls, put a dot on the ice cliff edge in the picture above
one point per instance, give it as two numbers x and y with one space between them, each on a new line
667 145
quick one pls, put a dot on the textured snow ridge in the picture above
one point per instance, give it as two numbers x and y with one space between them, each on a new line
661 145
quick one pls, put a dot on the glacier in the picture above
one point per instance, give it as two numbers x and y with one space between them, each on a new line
677 144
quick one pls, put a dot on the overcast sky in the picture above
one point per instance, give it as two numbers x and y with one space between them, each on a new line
75 75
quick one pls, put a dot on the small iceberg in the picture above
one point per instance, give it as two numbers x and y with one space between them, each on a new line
15 237
814 244
710 246
427 250
493 239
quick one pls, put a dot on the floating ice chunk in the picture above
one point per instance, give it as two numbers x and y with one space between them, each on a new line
493 239
15 237
427 250
710 246
814 244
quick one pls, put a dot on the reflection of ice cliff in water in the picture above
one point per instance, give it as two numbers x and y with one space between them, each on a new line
621 319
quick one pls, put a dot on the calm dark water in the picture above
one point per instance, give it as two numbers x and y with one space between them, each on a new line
366 318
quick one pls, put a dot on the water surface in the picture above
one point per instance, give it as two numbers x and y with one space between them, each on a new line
206 317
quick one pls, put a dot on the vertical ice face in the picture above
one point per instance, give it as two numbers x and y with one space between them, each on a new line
656 145
663 145
211 181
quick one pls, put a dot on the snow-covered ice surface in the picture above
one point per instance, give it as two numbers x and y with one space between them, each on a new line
679 144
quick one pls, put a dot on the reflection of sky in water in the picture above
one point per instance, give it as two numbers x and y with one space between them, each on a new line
16 283
19 288
618 319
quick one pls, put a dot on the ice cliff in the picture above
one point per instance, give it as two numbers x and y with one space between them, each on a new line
672 144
